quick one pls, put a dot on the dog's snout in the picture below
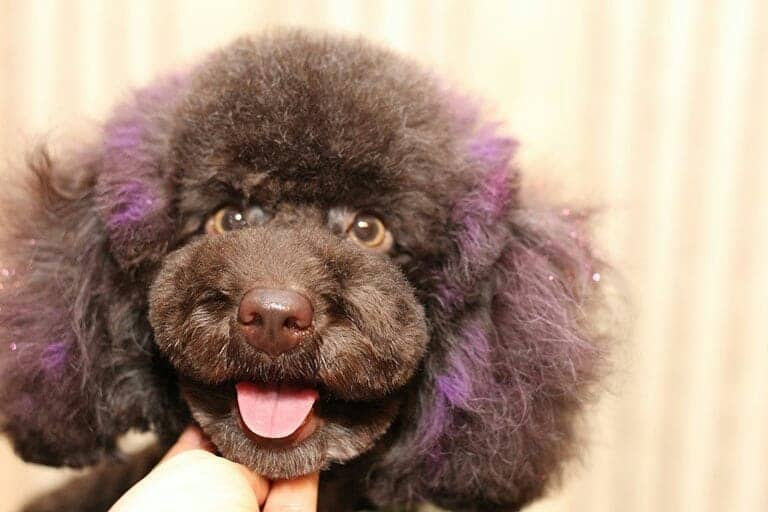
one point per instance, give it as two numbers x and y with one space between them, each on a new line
275 321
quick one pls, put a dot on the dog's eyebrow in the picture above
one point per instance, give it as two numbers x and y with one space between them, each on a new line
250 181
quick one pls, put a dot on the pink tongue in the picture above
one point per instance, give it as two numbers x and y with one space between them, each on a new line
274 411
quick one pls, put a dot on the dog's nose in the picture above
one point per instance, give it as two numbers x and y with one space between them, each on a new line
275 321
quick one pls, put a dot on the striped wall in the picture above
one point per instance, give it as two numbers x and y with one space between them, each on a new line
656 110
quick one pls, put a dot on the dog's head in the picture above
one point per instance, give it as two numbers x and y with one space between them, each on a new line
318 251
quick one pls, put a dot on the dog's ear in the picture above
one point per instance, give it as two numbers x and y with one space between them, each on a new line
78 365
514 353
133 189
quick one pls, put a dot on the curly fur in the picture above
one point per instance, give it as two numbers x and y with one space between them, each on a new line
455 366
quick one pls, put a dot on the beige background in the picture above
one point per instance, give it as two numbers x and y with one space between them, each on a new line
657 110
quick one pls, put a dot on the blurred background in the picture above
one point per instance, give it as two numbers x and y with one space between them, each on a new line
655 110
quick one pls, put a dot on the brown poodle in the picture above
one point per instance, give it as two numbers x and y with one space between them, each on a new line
319 253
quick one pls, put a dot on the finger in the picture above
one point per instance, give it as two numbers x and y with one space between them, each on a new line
193 464
297 495
196 481
191 439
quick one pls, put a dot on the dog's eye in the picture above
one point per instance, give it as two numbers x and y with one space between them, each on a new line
226 219
256 216
369 231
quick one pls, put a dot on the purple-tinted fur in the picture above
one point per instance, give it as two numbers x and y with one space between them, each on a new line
29 323
527 351
135 200
34 350
492 149
484 143
131 190
457 384
502 375
478 215
457 387
55 355
49 315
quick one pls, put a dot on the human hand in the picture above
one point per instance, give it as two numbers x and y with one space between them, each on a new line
191 478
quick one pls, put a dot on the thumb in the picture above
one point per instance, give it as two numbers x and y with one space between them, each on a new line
192 479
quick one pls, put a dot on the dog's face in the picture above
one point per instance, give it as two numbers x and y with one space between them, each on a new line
289 306
292 337
306 242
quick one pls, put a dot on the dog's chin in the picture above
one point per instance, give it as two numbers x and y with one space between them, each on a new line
332 431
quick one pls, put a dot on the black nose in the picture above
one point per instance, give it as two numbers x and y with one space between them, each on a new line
275 321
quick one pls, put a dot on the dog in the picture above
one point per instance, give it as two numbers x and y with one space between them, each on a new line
320 253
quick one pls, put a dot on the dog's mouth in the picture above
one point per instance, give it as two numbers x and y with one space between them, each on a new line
276 414
284 427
